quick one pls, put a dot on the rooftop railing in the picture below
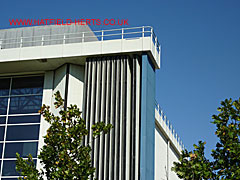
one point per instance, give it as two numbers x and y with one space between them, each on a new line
169 130
81 37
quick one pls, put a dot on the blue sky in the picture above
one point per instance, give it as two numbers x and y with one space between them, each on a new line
200 51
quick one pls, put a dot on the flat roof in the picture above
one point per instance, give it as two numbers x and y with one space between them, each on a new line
32 36
27 47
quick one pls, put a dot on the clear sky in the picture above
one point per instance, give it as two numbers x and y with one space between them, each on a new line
200 50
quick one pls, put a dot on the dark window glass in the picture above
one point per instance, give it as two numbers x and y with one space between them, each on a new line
9 168
30 132
3 106
4 87
27 85
2 120
1 146
25 104
2 130
23 119
24 149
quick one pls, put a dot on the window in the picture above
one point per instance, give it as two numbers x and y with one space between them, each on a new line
18 133
2 120
2 131
3 106
25 104
22 119
4 87
9 168
20 101
1 146
23 148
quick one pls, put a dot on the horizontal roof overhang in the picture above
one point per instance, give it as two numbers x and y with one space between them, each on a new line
41 52
141 44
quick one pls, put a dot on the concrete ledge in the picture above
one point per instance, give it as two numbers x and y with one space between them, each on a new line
82 49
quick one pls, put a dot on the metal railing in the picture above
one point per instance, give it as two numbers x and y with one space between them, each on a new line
166 123
81 37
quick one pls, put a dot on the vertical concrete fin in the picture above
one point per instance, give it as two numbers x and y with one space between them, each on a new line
147 119
112 96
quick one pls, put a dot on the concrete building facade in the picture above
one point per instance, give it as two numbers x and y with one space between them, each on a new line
109 74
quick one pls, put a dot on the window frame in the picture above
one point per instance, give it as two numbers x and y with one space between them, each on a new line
6 125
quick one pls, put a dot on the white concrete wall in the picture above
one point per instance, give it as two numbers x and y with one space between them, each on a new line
160 156
56 81
76 85
59 80
165 155
47 99
53 81
173 157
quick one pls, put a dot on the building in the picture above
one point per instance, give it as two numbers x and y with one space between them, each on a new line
109 74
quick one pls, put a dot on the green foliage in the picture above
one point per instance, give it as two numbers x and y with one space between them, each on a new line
63 156
194 164
27 168
226 155
227 151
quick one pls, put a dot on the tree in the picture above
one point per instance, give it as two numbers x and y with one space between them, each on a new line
63 156
226 155
227 152
193 164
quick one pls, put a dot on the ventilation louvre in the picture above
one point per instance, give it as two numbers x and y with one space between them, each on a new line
112 95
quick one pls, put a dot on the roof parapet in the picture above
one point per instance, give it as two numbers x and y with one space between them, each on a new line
88 36
168 129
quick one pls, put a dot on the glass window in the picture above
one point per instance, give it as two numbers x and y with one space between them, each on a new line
30 132
20 102
23 119
1 146
4 87
27 85
9 168
3 106
2 120
2 130
24 149
25 104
